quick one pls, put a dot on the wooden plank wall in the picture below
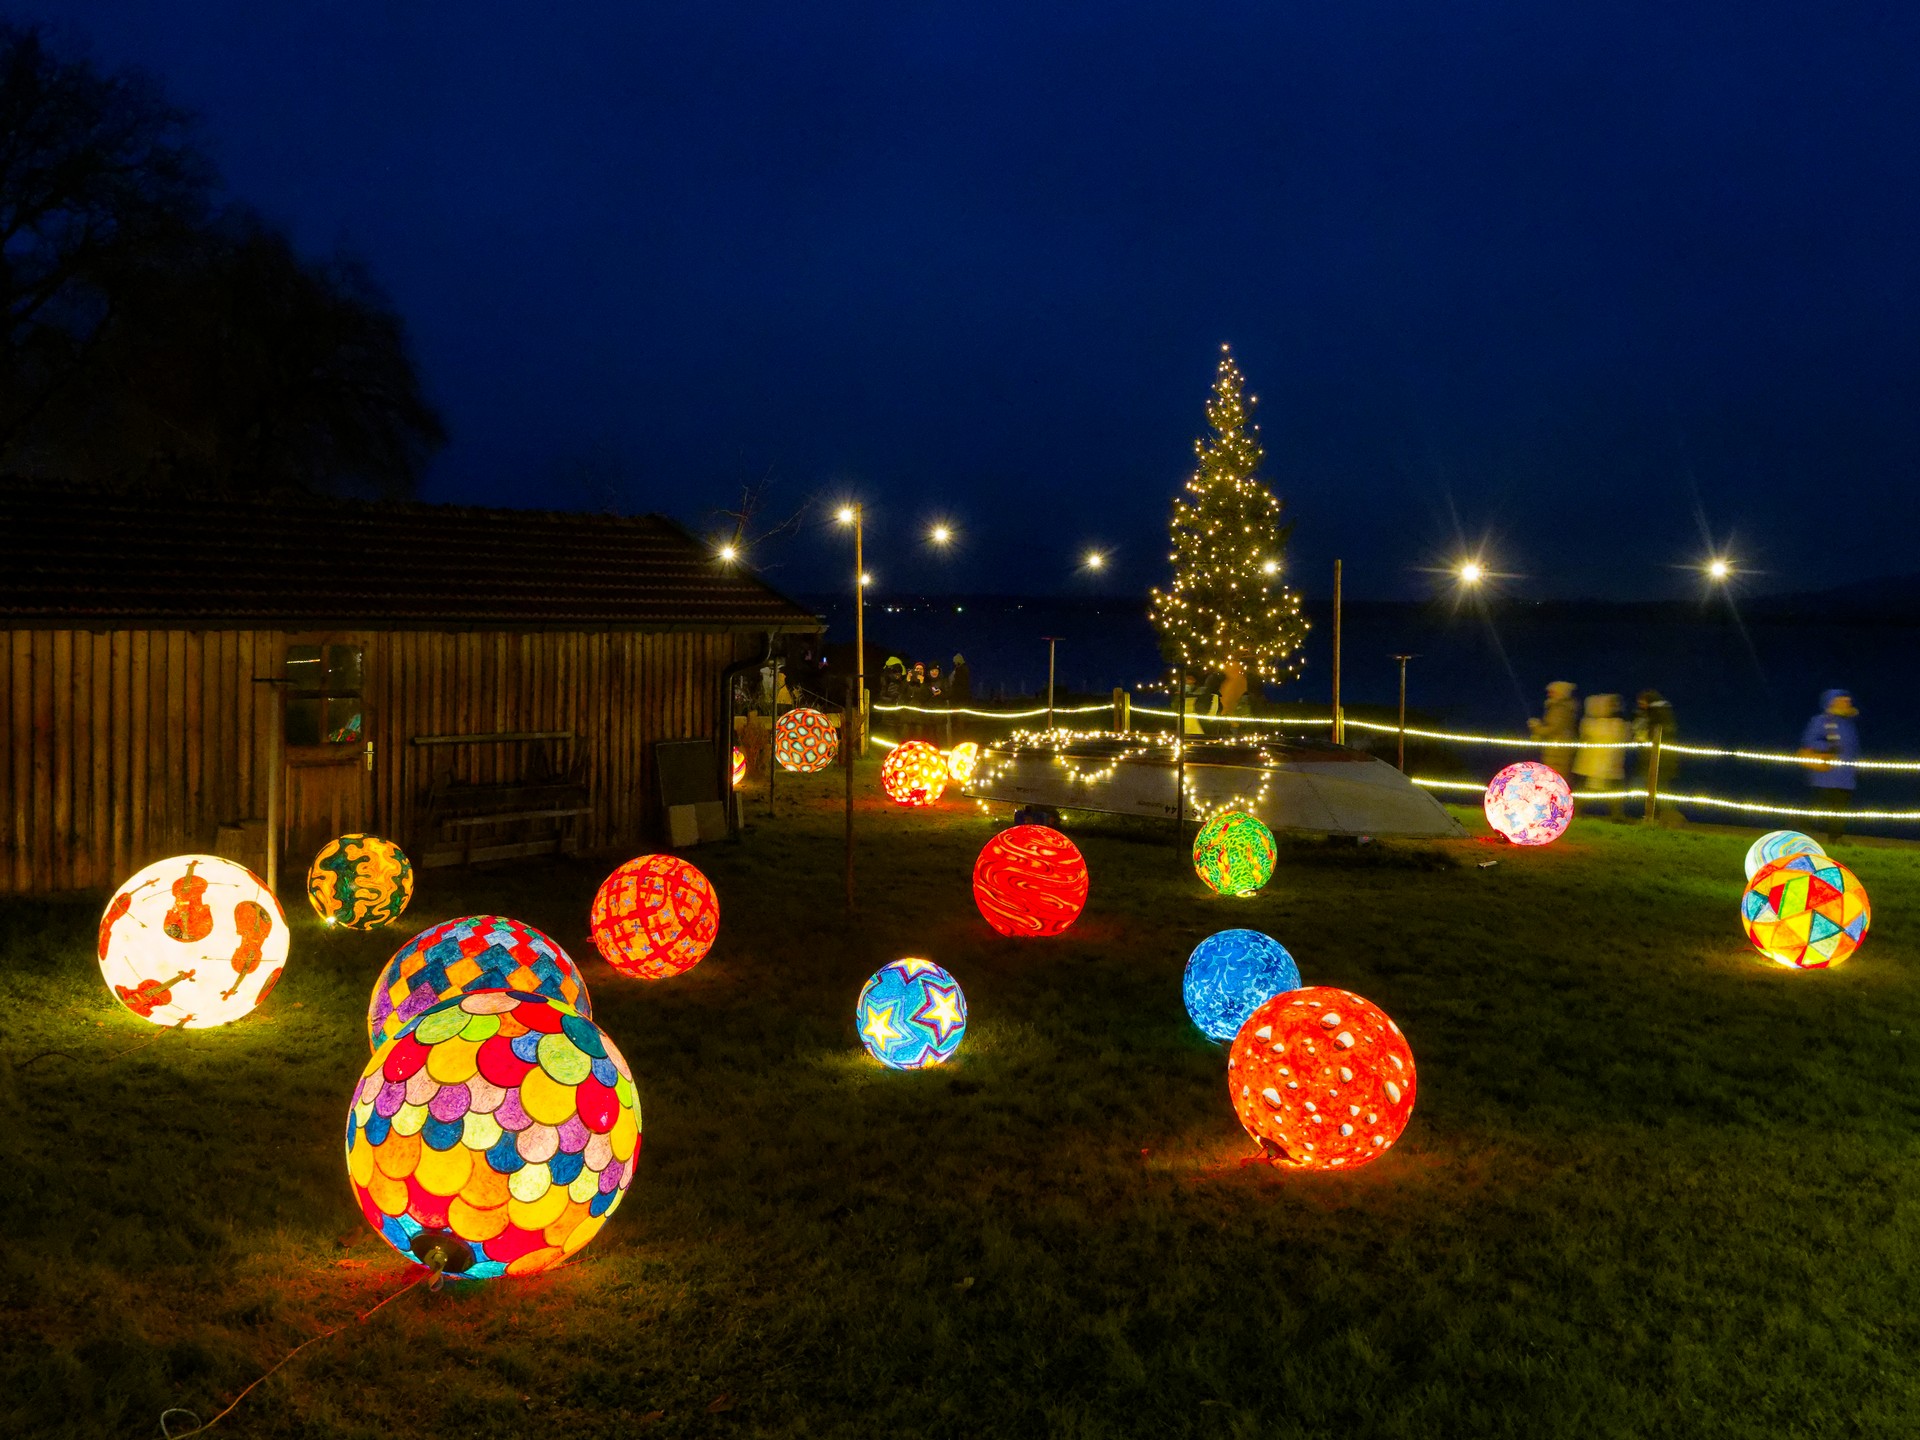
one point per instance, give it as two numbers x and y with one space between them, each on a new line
120 747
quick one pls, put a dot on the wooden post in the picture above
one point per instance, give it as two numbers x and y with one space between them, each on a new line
859 705
1339 728
1052 641
1653 776
1403 710
1122 711
848 722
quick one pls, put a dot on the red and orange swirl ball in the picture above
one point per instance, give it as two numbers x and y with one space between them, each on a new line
1030 880
915 773
655 917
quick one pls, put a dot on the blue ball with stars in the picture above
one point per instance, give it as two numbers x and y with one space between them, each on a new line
911 1015
1232 974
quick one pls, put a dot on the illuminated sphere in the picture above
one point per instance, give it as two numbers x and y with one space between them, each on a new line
1030 880
1807 912
739 766
915 774
193 940
1529 803
655 917
911 1015
962 761
499 1128
1779 845
805 740
1229 975
1234 853
1321 1078
360 882
476 952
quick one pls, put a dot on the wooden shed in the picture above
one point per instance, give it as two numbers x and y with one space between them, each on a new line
253 677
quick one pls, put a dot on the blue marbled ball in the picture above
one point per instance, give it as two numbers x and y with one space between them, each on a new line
1231 974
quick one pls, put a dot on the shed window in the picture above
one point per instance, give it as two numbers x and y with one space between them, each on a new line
324 705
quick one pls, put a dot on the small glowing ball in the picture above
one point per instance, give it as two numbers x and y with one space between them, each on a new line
962 761
476 952
739 766
805 740
1779 845
499 1129
1529 803
194 941
915 774
1321 1078
1230 975
655 917
911 1015
360 882
1808 912
1030 880
1234 853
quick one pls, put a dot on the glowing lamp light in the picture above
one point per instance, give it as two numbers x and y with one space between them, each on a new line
739 766
1029 881
655 917
911 1015
360 882
915 774
1529 803
1779 845
475 952
1234 853
1321 1079
494 1135
1807 912
962 761
193 941
805 741
1229 975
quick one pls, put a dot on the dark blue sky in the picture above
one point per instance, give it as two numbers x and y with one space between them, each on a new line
1575 275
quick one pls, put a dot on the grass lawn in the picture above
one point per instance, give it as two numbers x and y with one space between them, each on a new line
1653 1186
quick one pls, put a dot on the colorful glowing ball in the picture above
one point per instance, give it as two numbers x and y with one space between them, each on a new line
739 766
360 882
1234 853
1030 880
655 917
805 740
911 1015
962 761
1321 1078
193 941
1807 912
1779 845
1529 803
915 774
457 957
496 1132
1230 975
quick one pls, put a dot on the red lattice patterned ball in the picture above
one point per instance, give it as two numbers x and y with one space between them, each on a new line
1030 880
805 740
655 917
914 774
1321 1078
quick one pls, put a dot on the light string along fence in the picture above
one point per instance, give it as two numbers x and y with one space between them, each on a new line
1517 742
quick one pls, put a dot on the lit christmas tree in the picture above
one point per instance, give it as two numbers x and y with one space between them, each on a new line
1228 608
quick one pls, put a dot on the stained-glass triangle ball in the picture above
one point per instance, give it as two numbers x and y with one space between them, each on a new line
1807 912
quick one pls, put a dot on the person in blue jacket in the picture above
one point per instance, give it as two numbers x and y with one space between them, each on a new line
1831 735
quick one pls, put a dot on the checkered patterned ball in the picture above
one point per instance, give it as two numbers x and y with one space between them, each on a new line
477 952
1807 912
1234 853
805 740
911 1015
193 941
360 882
1779 845
655 917
1529 803
915 773
496 1132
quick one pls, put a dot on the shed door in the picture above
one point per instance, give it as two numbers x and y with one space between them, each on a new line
329 745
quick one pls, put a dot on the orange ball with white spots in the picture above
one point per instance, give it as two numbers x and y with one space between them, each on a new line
1322 1079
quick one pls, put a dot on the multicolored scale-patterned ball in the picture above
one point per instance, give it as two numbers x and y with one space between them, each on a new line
915 773
360 882
911 1015
1321 1078
193 941
1234 853
805 740
1529 803
1230 975
1807 912
476 952
655 917
500 1129
962 761
1779 845
1030 880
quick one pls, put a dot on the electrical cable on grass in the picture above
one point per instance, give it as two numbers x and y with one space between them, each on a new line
69 1055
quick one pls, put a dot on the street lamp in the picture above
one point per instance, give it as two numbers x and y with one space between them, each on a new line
1719 568
851 515
1471 572
1095 560
940 534
728 554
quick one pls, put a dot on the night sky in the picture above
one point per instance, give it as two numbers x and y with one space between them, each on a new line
1583 279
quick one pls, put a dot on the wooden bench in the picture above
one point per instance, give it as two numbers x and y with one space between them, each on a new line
539 812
